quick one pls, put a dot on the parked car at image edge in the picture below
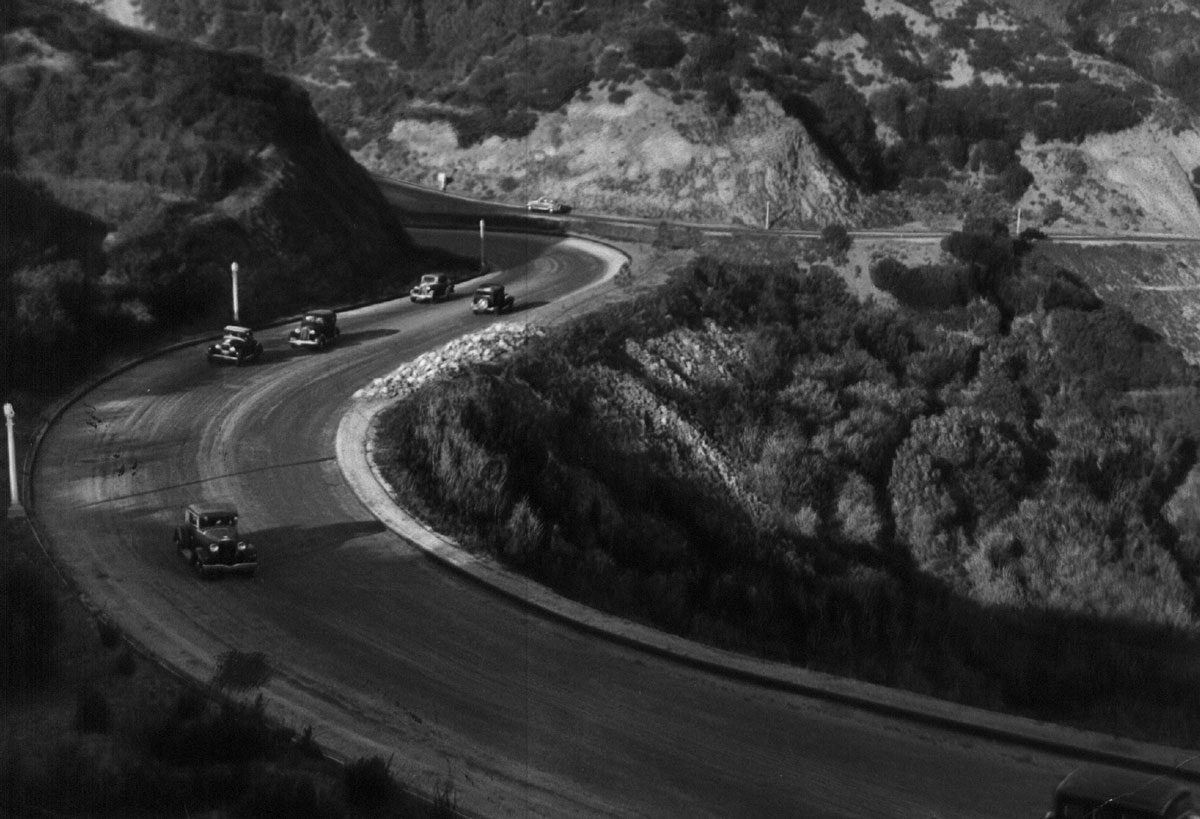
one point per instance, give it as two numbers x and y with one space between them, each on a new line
208 539
317 329
237 345
546 205
491 298
1095 792
432 287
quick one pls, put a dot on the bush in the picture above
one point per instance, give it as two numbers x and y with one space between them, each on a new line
928 287
126 663
29 624
195 733
367 784
656 47
271 794
92 715
836 239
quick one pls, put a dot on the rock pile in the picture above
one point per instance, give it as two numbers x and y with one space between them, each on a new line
496 341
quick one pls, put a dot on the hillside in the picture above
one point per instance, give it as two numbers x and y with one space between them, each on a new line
938 498
868 112
135 169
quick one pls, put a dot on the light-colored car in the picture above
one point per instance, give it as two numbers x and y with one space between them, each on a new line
546 205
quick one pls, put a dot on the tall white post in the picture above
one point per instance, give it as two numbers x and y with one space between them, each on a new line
1018 221
767 223
15 509
482 256
233 269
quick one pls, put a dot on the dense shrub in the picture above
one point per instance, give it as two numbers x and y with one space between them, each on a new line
272 794
927 287
92 713
195 733
29 624
1113 352
1086 107
368 785
656 47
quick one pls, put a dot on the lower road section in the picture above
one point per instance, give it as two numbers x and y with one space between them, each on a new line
383 651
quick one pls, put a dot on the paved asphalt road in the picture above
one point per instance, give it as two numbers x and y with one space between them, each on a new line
385 652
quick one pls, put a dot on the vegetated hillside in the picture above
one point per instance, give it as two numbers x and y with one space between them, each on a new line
875 111
965 497
135 169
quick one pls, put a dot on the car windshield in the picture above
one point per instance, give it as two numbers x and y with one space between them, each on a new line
209 521
314 321
429 279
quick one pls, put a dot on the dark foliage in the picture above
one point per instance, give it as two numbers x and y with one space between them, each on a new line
196 733
368 785
29 625
656 48
92 714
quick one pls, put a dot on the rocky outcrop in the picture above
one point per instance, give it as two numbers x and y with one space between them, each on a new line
497 341
646 156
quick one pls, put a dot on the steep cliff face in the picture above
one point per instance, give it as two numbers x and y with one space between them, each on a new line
646 156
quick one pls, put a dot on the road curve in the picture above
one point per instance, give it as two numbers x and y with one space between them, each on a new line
385 652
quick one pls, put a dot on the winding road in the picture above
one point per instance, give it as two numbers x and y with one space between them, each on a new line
383 651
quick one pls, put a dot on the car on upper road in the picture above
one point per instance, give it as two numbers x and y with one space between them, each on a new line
208 539
1098 792
238 345
317 329
546 205
432 287
491 298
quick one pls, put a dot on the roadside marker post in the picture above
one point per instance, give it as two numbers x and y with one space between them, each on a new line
15 510
482 256
233 269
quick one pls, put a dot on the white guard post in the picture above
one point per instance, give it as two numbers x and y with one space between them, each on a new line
15 509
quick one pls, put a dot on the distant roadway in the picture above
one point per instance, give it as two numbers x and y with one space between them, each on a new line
386 653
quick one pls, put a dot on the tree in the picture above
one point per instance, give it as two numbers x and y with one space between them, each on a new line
656 47
956 472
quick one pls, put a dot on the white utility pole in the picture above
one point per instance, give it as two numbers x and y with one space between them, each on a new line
767 223
482 257
15 509
233 269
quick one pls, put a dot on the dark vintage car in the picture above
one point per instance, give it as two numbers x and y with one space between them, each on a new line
208 539
432 287
1098 792
491 298
317 329
237 345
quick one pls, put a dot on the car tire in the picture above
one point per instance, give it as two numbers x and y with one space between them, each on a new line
197 566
